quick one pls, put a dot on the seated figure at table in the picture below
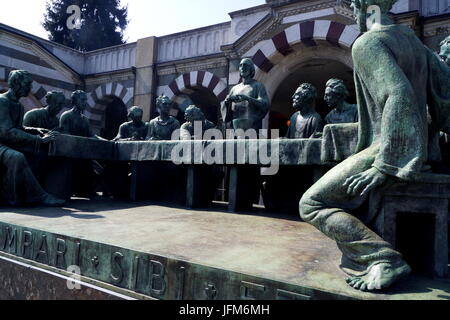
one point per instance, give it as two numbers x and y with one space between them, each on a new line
445 50
335 94
194 116
134 130
18 183
248 103
74 122
46 118
162 127
306 122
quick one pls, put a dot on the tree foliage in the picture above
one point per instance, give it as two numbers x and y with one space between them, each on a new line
102 23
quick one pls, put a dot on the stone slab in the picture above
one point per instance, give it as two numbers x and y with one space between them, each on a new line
173 253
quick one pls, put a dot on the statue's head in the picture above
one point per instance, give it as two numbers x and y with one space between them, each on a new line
335 92
193 113
20 82
135 113
247 68
360 10
55 102
79 99
445 50
304 96
163 104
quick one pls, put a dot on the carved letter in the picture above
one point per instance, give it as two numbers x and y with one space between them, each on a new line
27 241
10 239
42 250
157 283
60 259
117 261
249 291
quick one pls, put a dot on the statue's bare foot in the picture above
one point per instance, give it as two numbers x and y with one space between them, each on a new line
380 276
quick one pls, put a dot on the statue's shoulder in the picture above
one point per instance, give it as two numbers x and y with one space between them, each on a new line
35 112
4 101
175 122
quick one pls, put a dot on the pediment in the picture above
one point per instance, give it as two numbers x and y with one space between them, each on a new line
282 17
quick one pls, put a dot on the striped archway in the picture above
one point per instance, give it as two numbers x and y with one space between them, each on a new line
99 98
203 79
266 54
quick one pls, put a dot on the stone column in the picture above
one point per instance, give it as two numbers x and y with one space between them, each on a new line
145 78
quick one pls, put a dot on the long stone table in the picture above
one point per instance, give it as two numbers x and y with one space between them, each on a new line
189 161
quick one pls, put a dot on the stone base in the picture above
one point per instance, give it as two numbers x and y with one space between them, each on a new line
143 250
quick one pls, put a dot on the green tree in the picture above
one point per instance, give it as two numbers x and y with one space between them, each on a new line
102 23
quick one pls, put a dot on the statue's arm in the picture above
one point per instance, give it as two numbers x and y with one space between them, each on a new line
403 146
8 133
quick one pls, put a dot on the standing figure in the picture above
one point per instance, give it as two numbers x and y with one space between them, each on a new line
162 127
335 94
306 122
134 130
18 184
247 104
395 77
194 116
46 118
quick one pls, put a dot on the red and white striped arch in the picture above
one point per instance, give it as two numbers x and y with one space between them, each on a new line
187 81
268 53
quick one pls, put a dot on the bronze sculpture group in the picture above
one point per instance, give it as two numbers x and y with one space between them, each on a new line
400 86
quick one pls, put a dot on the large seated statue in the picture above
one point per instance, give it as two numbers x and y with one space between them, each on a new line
134 130
247 103
18 184
335 94
194 116
306 122
162 127
46 118
395 76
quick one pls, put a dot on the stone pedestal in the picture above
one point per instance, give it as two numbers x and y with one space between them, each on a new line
426 202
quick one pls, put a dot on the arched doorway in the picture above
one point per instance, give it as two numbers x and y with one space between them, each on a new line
315 71
114 115
201 88
202 98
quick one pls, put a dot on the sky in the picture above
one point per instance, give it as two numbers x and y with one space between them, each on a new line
147 17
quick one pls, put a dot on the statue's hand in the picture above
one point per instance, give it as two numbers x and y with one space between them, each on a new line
364 181
51 136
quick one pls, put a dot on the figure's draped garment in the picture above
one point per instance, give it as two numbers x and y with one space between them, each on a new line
18 184
395 77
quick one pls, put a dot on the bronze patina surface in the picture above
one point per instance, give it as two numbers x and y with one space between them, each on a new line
172 253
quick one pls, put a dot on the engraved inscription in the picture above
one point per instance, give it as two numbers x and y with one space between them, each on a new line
251 291
60 256
116 267
27 241
157 282
42 250
10 240
288 295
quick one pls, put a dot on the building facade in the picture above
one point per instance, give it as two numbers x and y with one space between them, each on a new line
290 42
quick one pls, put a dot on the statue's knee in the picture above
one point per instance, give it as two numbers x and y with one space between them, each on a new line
305 207
15 159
